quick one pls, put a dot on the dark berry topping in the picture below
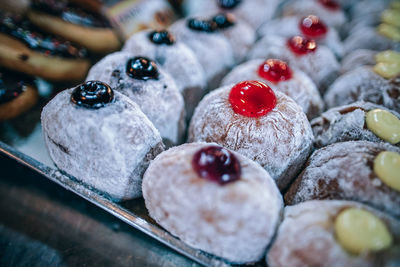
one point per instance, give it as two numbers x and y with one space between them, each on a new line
275 71
301 45
313 27
12 85
202 25
216 164
330 4
142 68
162 37
228 4
224 21
92 94
252 99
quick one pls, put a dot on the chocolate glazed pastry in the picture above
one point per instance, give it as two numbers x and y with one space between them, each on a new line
356 170
17 94
25 48
75 23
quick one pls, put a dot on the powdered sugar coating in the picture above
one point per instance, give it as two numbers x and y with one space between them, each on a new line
160 100
107 148
334 18
345 171
215 61
289 26
321 66
176 59
364 84
300 87
254 12
357 58
279 141
345 123
235 221
306 237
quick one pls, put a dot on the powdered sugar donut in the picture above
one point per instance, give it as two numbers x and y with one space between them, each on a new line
347 123
175 58
329 10
310 26
100 137
357 58
317 61
249 118
346 171
308 236
149 86
282 78
200 36
254 12
364 84
198 200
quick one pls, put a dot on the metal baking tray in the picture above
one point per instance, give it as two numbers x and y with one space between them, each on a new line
21 139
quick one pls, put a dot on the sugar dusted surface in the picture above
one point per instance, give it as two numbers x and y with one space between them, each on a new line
107 148
358 58
300 87
235 221
364 84
345 123
345 171
160 100
279 141
306 237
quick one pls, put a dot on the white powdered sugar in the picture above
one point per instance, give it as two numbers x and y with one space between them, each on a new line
212 49
235 221
334 18
300 87
107 148
345 171
321 65
160 99
345 123
279 141
178 60
290 26
307 237
358 58
364 84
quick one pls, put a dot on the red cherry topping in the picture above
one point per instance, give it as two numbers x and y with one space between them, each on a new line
312 26
330 4
275 70
216 164
301 45
252 98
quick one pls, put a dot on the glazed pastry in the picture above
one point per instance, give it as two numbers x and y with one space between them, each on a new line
251 119
282 78
71 21
201 36
254 12
379 84
100 137
337 234
149 86
330 10
17 94
195 191
357 121
356 170
310 26
302 53
175 58
26 49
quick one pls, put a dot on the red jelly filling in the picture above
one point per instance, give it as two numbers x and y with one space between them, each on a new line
330 4
216 164
312 26
275 70
301 45
252 98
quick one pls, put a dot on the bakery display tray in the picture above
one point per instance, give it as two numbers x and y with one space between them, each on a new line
21 139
